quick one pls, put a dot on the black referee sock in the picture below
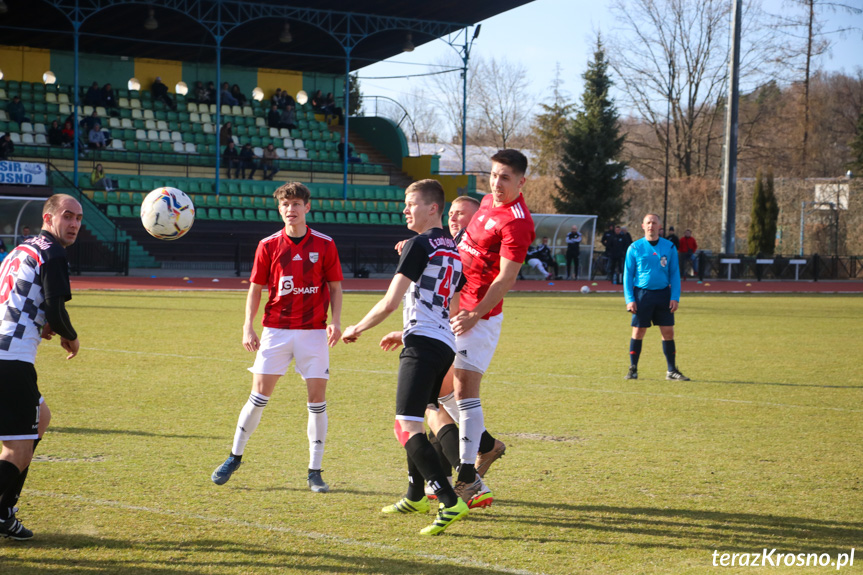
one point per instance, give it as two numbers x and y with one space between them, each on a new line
424 458
634 351
447 437
670 351
9 474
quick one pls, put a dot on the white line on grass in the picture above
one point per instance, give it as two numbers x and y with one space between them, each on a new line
461 561
491 373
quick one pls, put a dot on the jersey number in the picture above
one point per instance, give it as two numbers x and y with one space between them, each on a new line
7 279
445 288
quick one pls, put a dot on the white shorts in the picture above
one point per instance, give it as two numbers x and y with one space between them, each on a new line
307 346
476 347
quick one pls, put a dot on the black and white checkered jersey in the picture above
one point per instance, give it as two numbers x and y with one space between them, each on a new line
432 263
35 270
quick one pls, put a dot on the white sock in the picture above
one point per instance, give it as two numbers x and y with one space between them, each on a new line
449 404
471 425
317 431
250 417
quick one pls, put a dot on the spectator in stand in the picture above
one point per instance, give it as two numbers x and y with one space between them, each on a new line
68 133
3 252
109 100
96 138
548 257
573 246
7 148
226 134
614 262
274 117
270 162
198 93
93 96
16 111
55 134
211 93
247 161
626 238
230 158
536 259
318 102
160 93
672 237
352 159
238 95
330 109
25 235
278 99
98 178
225 97
607 238
688 247
288 118
88 122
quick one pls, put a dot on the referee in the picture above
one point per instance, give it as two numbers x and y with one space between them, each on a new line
651 285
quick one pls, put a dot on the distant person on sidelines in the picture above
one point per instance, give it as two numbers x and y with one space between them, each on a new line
573 247
301 270
672 237
651 286
428 275
616 252
537 259
688 249
34 289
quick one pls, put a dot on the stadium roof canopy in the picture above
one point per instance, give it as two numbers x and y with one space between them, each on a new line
374 29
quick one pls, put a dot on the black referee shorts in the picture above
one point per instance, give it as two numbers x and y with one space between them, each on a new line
423 363
652 307
19 401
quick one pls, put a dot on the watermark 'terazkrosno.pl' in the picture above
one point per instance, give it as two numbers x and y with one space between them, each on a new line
773 558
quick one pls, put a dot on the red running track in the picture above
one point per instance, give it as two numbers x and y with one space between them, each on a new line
380 285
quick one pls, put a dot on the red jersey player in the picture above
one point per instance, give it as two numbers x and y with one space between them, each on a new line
301 270
492 250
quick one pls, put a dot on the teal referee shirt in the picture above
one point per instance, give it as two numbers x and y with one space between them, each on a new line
651 267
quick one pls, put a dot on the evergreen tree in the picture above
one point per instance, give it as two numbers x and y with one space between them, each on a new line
550 129
355 97
856 165
591 176
758 217
768 246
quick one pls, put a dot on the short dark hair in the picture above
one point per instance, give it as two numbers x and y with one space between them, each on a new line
431 192
292 190
512 158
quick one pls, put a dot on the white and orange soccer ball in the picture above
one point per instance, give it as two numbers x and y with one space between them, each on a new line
167 213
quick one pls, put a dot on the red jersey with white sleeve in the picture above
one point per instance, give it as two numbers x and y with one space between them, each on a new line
296 277
494 232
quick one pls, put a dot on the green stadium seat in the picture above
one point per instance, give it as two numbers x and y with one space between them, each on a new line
261 215
125 211
330 218
273 216
217 214
249 215
113 211
385 218
341 218
363 218
374 218
225 214
100 197
311 218
237 214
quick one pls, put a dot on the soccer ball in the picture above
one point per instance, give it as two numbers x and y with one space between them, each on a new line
585 289
167 213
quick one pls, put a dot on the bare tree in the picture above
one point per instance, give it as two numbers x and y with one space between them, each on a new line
417 111
677 51
805 27
504 101
444 94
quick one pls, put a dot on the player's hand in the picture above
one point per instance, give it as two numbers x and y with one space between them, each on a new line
351 334
392 341
632 307
400 246
673 306
334 334
463 321
70 345
250 340
47 332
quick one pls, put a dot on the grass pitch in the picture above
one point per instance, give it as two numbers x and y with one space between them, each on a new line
761 450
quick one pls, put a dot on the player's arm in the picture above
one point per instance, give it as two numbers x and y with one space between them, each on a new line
464 319
392 341
674 277
387 305
629 269
253 302
55 283
334 330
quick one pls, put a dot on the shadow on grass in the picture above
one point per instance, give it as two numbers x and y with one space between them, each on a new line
94 431
335 490
67 554
690 527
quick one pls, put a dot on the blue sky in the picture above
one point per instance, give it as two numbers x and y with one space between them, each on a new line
545 32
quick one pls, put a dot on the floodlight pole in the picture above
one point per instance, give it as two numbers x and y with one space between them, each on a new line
76 28
667 143
346 115
729 175
217 35
465 58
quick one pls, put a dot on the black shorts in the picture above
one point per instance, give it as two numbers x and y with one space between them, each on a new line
423 363
19 401
652 307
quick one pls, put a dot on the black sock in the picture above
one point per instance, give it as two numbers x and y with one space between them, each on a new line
447 437
422 453
670 351
467 473
486 442
441 457
237 457
9 473
10 499
416 489
634 351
